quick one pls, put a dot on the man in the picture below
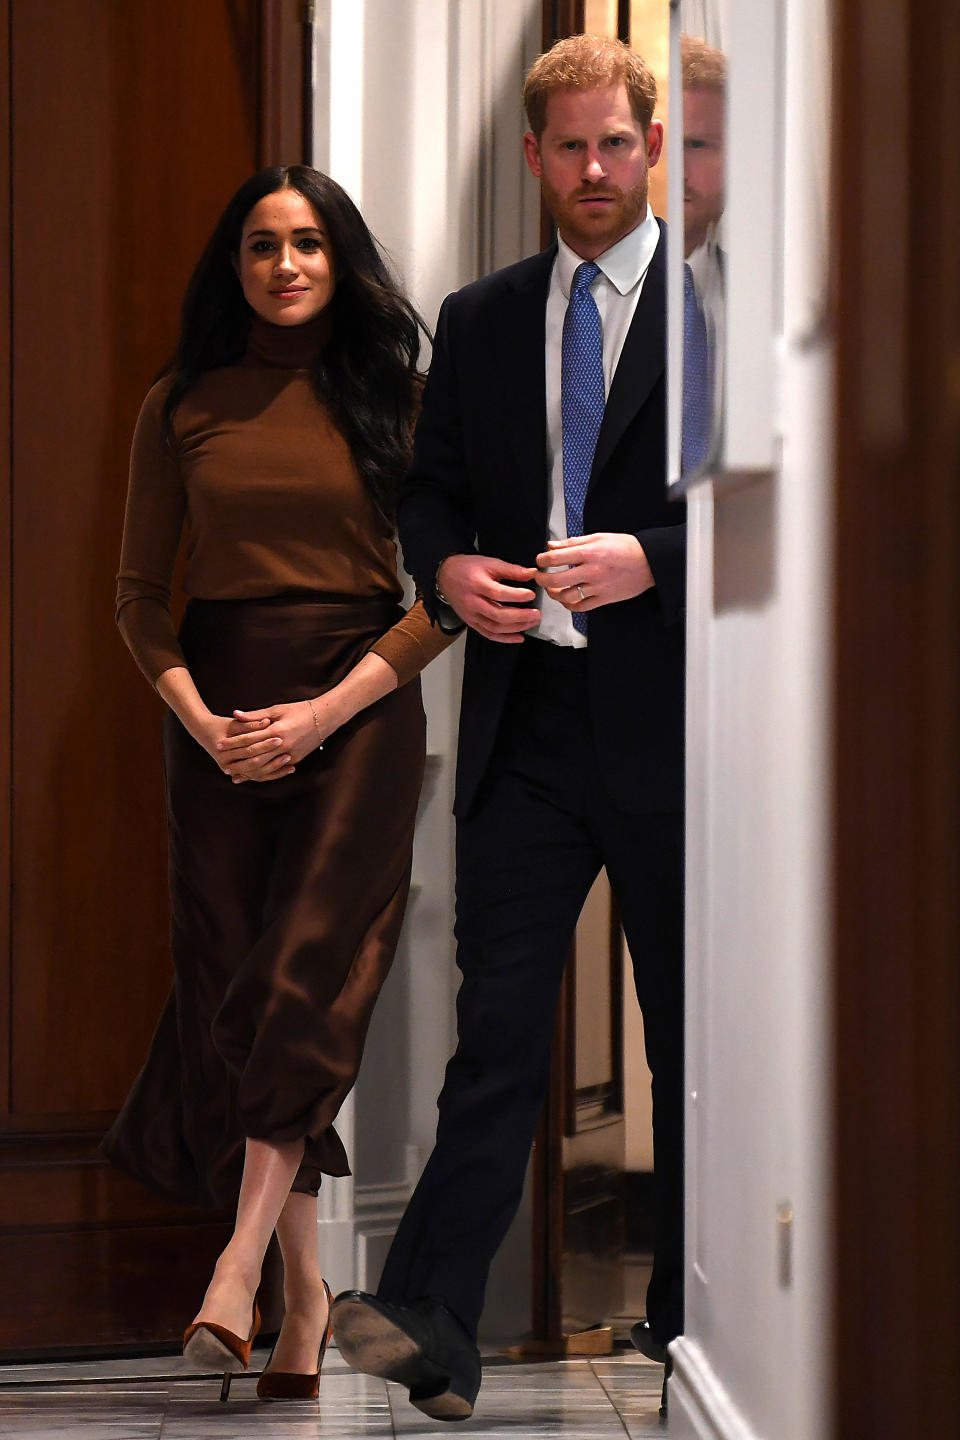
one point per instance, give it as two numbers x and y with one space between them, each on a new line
535 512
704 72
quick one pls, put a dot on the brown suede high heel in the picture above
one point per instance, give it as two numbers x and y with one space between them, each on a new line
207 1346
289 1385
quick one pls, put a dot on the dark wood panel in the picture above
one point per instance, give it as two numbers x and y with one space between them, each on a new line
594 1144
97 1261
108 1280
562 18
93 1258
168 100
897 743
5 563
547 1241
579 1151
62 1182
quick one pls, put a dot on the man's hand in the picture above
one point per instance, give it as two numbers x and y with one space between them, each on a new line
489 595
598 570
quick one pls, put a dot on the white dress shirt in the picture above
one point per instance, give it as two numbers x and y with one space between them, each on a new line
616 290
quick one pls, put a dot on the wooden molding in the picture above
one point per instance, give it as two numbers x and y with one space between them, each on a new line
285 126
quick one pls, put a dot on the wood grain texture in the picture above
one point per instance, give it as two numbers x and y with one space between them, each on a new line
562 18
5 563
897 740
107 1280
131 126
284 137
146 140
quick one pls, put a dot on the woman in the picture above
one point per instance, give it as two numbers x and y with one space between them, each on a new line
294 737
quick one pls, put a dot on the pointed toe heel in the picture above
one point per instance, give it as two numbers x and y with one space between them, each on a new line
211 1347
290 1385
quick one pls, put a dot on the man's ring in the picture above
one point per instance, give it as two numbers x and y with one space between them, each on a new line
580 592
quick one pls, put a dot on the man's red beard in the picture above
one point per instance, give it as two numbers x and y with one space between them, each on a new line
623 212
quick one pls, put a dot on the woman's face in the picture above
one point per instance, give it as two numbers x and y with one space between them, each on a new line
285 262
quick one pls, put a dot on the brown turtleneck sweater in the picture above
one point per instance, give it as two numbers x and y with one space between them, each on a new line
272 500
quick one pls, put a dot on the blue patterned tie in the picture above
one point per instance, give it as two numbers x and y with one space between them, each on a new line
581 398
695 443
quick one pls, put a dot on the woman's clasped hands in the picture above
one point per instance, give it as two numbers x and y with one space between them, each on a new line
269 744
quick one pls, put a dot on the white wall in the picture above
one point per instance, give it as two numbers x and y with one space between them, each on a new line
418 116
753 1360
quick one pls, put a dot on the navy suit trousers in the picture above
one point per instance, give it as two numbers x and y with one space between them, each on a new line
528 851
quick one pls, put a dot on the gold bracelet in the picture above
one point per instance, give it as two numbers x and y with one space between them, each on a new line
316 723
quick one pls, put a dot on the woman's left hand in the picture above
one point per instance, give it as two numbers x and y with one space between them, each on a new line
292 724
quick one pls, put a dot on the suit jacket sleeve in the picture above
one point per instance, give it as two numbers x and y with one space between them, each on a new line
434 510
665 547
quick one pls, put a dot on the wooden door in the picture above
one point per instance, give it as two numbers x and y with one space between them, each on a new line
896 752
127 127
579 1156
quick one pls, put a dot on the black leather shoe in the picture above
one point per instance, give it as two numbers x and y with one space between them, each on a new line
421 1345
644 1340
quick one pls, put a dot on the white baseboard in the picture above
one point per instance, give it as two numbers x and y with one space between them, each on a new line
355 1234
700 1407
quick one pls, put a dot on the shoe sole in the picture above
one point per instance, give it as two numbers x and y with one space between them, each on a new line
204 1351
370 1342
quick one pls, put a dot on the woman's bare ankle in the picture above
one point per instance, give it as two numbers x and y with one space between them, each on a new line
235 1268
303 1290
229 1297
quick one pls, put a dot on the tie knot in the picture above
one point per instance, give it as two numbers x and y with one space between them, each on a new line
688 286
584 276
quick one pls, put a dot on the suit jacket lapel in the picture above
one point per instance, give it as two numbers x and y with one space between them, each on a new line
520 321
642 360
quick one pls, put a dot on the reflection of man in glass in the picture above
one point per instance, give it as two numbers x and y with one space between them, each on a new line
704 71
704 87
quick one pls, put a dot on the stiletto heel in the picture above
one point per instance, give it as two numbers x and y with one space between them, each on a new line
288 1385
207 1346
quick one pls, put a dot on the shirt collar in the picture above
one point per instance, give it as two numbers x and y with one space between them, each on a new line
624 264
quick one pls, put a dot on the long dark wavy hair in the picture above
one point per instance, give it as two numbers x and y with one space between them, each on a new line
367 372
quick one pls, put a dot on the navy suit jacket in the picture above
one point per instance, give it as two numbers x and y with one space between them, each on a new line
479 482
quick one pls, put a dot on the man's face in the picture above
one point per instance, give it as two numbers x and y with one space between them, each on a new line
593 163
703 164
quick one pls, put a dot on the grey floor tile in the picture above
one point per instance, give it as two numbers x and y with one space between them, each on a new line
76 1415
606 1399
349 1406
547 1400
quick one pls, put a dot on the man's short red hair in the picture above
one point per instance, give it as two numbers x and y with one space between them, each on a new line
588 62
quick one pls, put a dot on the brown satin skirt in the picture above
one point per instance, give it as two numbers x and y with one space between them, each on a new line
287 899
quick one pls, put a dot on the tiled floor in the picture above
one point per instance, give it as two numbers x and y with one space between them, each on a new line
155 1400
